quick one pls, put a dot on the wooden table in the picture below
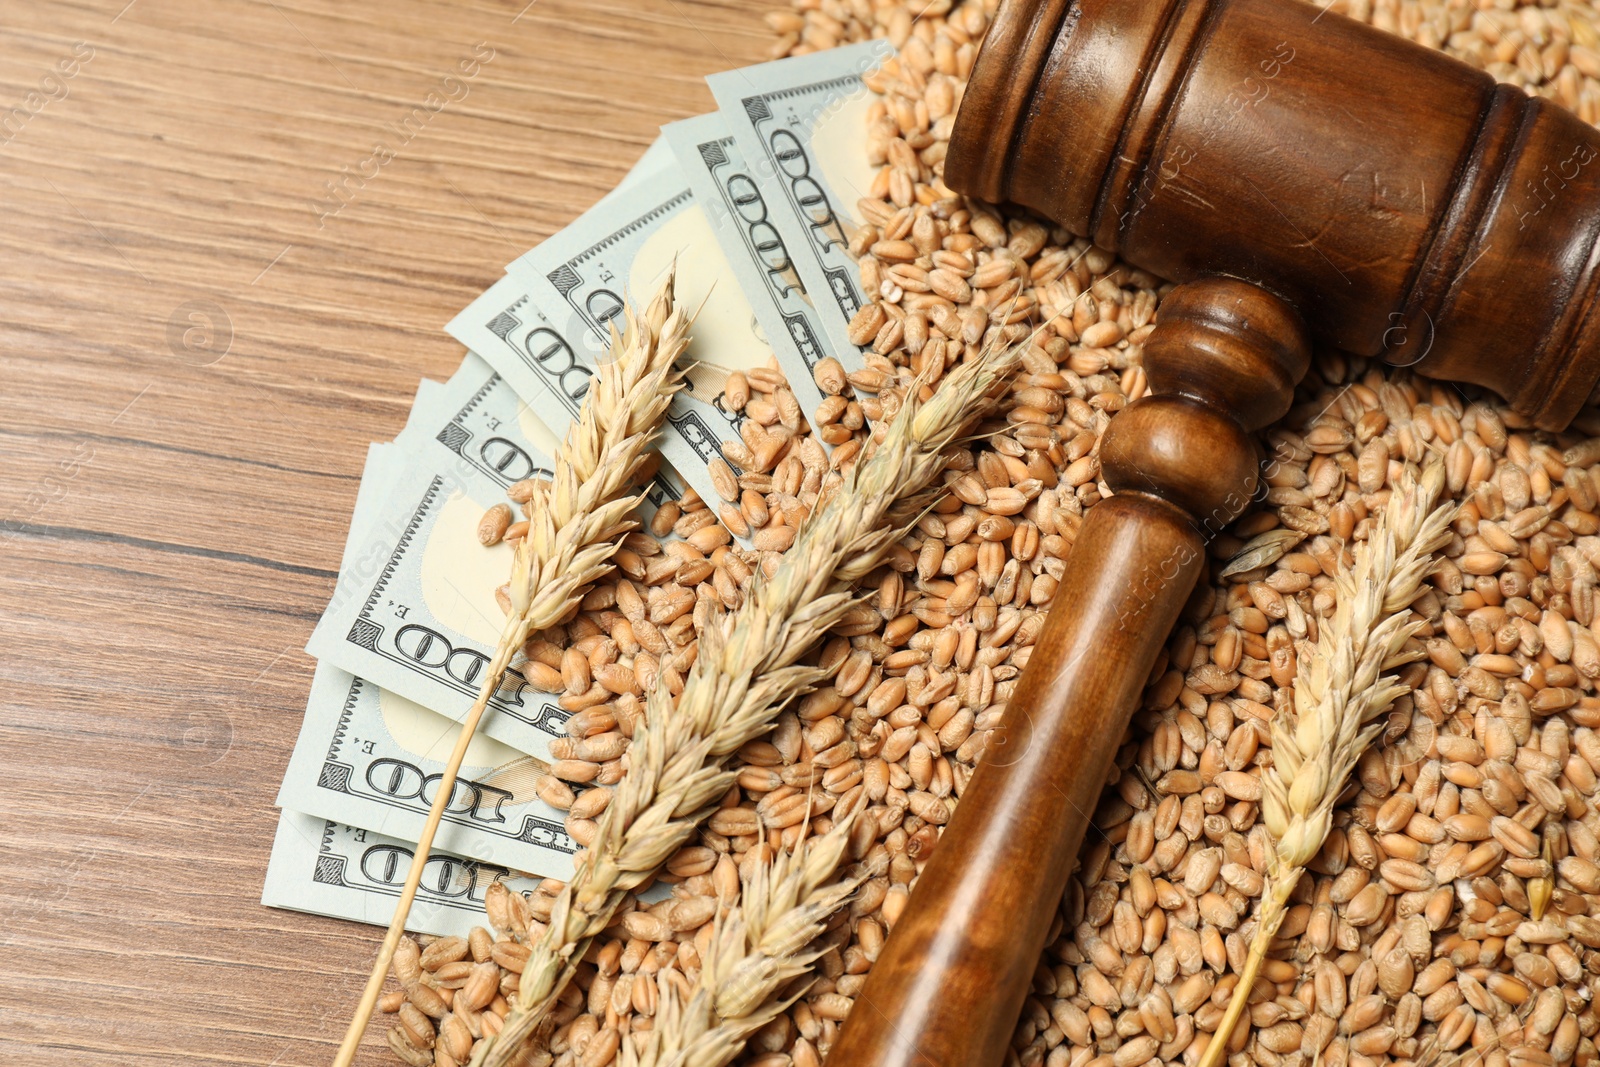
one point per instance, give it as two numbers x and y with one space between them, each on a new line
195 349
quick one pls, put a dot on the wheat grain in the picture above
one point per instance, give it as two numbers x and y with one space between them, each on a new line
744 672
1340 691
753 953
574 528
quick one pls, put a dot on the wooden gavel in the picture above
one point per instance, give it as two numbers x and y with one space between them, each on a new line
1303 176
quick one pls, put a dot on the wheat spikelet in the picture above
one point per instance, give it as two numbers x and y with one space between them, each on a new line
756 950
745 672
574 528
572 537
1340 691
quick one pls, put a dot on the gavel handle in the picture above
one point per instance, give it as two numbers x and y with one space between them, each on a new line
947 989
953 975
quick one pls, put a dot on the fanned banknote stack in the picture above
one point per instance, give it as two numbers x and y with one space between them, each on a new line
753 204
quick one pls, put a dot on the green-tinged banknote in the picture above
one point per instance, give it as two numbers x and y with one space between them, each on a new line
327 868
370 758
510 332
740 218
414 609
800 124
619 251
550 369
363 746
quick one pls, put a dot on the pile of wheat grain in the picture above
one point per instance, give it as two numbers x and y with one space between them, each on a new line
1448 915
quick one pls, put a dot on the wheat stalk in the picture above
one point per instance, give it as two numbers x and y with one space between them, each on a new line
574 528
755 950
745 672
1340 691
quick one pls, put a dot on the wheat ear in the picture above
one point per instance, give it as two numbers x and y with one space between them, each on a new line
744 673
1340 691
574 527
756 949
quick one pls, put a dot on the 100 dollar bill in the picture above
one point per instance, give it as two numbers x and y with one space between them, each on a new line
371 758
330 865
502 327
510 333
551 370
626 244
741 219
327 868
799 123
414 610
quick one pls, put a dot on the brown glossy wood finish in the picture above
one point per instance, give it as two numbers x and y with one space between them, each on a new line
951 979
1404 203
1221 343
948 986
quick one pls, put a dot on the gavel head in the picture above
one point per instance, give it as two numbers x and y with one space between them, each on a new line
1406 205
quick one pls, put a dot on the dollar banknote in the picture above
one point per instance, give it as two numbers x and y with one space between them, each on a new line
327 868
505 328
623 246
552 390
550 371
509 331
414 609
740 218
484 424
427 391
367 757
323 866
371 758
801 126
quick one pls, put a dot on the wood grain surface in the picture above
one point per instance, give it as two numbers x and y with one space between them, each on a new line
194 353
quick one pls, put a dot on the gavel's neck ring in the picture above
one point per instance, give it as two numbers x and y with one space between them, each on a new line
1222 362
